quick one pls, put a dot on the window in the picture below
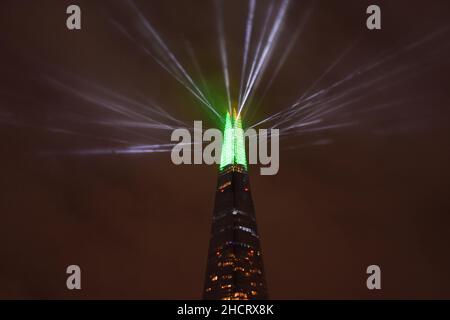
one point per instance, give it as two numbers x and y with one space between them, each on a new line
240 244
245 229
240 295
223 186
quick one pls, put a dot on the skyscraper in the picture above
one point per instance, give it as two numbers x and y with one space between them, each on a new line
235 268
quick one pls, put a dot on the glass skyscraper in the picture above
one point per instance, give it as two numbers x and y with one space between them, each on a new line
235 267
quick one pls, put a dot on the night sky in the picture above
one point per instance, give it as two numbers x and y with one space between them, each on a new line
374 192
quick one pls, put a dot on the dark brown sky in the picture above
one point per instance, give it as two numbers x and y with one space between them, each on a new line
138 225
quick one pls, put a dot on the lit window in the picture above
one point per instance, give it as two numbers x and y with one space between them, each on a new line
208 290
254 293
214 278
226 286
240 244
223 186
240 295
245 229
253 284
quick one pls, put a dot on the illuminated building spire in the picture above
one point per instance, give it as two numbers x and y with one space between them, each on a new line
233 148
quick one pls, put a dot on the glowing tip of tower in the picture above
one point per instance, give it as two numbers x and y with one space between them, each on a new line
233 147
236 115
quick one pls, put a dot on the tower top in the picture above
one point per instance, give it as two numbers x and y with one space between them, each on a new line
233 147
236 115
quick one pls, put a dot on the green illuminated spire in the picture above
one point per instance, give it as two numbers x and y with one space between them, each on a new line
239 143
233 148
227 155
